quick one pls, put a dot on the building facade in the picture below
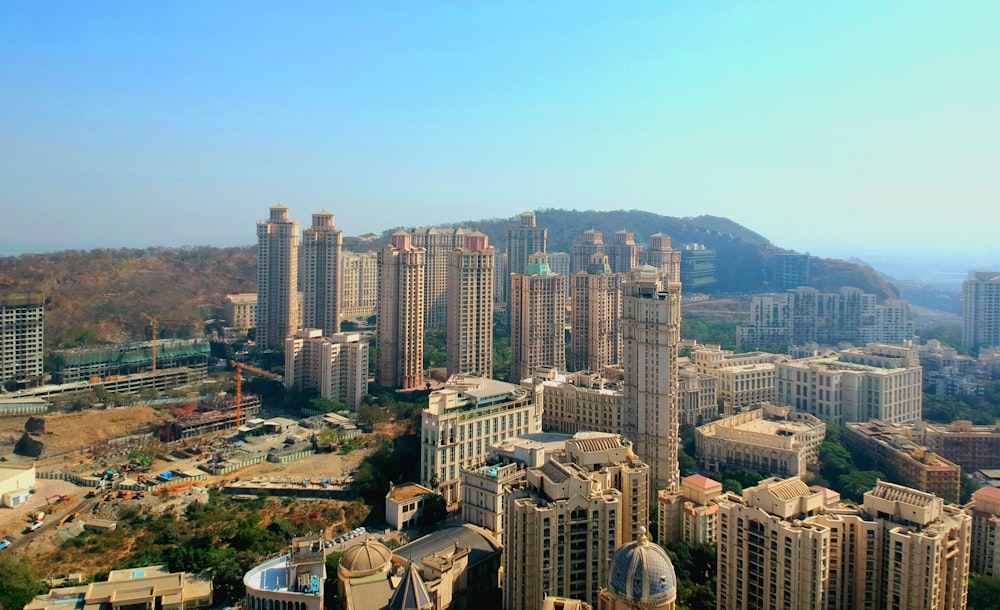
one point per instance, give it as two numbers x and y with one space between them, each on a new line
981 310
279 310
582 401
470 307
651 318
596 334
523 240
22 338
698 400
240 311
623 253
590 243
985 510
319 269
146 587
401 314
537 319
335 366
438 244
359 284
690 513
660 253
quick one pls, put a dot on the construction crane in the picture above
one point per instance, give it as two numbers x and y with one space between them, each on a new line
153 321
239 366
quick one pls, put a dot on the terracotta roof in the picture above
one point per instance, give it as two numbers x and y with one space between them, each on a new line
701 482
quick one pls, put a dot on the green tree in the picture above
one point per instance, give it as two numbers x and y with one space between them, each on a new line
18 584
984 593
853 485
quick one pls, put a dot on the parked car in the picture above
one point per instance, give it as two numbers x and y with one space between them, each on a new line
5 542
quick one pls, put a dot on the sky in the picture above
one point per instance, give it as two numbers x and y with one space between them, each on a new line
831 128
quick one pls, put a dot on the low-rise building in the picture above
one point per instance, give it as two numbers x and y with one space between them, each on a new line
891 450
689 515
404 504
582 401
149 587
971 447
292 581
240 311
16 485
985 510
108 362
336 366
772 440
698 394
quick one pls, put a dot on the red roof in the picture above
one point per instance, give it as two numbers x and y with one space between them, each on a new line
696 480
988 492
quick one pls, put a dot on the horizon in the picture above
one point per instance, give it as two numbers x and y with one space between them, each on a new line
829 131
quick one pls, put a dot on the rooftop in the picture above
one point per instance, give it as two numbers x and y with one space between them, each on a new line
408 491
480 546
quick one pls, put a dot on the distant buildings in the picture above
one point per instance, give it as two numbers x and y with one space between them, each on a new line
661 254
971 447
537 319
469 297
981 310
438 245
806 315
985 510
771 440
22 338
108 362
582 401
240 311
789 270
278 307
697 270
741 379
623 253
320 271
359 284
335 366
698 402
523 240
596 316
591 243
651 318
401 313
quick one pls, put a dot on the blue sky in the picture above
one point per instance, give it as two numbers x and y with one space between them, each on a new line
827 127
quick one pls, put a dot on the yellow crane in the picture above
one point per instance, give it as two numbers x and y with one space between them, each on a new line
152 321
240 367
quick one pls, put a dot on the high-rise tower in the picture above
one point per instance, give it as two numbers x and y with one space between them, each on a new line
661 254
278 309
438 243
596 316
624 254
401 313
981 306
651 320
320 273
537 319
470 307
523 240
591 243
22 325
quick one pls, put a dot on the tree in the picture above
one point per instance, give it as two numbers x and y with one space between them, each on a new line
984 593
732 485
18 584
327 439
853 485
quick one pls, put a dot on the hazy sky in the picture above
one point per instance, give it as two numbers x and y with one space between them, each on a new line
828 127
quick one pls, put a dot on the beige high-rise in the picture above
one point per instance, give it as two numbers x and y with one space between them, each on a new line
624 254
537 319
523 240
335 366
401 314
591 243
359 284
320 272
660 254
651 320
596 318
981 310
22 338
438 243
278 306
470 307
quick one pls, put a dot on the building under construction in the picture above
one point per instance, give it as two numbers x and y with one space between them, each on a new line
220 417
99 363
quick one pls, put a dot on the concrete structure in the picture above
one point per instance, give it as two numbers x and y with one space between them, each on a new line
651 318
789 270
689 514
523 240
22 339
292 581
623 253
771 440
590 243
641 575
149 587
806 315
985 508
401 314
537 319
470 307
278 307
741 379
981 310
698 401
439 243
404 504
28 405
559 263
240 311
697 266
840 389
971 447
501 282
660 253
108 362
359 284
577 402
319 274
891 451
15 484
335 366
597 302
483 491
463 419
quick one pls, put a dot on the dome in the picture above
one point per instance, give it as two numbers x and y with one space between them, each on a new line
641 572
365 559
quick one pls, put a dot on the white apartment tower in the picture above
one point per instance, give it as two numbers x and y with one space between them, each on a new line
336 366
401 314
22 329
359 284
651 320
537 319
981 309
596 315
470 307
320 273
278 307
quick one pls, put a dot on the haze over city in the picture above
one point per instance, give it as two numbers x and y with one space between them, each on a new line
825 128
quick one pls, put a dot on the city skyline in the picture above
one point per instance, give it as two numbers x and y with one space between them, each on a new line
181 124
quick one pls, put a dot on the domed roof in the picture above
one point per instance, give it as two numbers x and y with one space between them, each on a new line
642 572
366 558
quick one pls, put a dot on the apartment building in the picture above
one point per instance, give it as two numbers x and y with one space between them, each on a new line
596 316
501 282
240 311
661 254
743 379
981 310
359 284
22 338
581 401
771 440
698 392
146 587
438 244
971 447
985 509
623 253
320 272
401 313
838 388
279 311
689 514
335 366
789 270
523 240
537 319
651 318
470 307
293 580
590 243
463 419
891 450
